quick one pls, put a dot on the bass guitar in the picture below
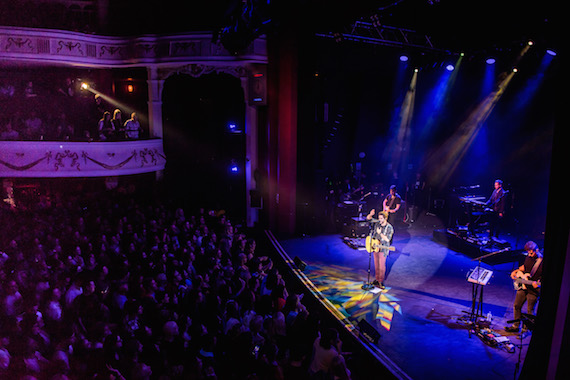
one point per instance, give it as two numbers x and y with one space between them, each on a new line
522 280
374 245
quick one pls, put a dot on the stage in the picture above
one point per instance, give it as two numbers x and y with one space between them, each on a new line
422 316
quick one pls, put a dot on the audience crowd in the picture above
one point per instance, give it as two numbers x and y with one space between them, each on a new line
120 288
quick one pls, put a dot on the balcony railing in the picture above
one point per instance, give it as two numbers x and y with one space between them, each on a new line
37 159
62 47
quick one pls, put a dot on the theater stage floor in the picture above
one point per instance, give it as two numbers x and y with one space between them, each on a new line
421 315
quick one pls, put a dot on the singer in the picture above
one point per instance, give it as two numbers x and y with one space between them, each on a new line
382 231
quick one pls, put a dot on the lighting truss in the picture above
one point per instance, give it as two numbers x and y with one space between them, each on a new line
378 34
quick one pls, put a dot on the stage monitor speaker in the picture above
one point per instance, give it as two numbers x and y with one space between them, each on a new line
368 332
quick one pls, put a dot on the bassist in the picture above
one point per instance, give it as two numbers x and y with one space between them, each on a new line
531 270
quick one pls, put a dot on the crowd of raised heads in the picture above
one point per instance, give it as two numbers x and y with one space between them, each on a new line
114 287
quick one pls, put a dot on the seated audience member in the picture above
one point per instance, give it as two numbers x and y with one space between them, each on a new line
9 134
33 126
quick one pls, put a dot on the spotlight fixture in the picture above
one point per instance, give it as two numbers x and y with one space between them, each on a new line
84 86
404 58
449 67
515 70
233 168
233 128
530 43
551 52
490 61
416 70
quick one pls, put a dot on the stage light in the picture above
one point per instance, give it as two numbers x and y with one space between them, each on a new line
450 67
404 58
84 86
515 70
490 61
530 43
551 52
233 128
416 70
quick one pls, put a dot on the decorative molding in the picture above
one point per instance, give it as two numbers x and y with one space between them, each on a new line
76 159
64 47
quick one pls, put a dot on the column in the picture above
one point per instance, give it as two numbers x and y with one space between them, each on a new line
250 152
155 85
155 130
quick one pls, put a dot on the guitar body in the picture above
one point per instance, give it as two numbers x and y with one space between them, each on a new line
522 281
373 245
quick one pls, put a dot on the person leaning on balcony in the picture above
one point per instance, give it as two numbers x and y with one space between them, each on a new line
106 128
133 127
117 121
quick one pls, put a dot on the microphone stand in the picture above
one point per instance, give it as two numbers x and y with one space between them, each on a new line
368 285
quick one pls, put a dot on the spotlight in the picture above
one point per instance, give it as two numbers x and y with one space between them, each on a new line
404 58
515 70
490 61
416 70
450 67
530 43
130 88
233 128
551 52
84 86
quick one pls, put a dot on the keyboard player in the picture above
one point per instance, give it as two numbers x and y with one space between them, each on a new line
497 203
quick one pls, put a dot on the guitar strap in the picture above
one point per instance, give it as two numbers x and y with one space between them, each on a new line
392 202
535 266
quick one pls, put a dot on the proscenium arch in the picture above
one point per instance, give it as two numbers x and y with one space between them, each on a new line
240 146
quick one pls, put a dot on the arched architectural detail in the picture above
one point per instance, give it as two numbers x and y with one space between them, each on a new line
156 79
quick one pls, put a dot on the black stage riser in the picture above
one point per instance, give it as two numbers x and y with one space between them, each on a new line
473 248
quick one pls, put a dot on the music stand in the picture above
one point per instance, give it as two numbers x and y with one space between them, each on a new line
478 277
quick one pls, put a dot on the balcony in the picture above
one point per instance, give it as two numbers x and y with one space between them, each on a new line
51 159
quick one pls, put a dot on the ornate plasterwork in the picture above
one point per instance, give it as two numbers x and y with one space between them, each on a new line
45 45
197 69
75 159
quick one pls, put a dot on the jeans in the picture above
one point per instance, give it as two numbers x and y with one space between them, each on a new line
521 297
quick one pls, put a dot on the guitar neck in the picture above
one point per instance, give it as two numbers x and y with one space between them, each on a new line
526 282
